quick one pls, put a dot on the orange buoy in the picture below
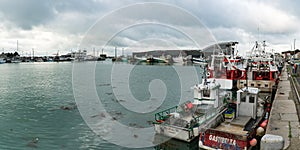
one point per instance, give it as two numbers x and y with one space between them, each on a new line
253 142
264 124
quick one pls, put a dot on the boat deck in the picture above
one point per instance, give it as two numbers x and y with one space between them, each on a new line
240 121
235 126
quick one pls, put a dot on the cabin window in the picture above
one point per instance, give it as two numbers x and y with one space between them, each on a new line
206 93
252 84
243 99
251 99
266 85
274 75
258 85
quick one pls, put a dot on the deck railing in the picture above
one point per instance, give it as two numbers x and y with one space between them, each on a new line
164 114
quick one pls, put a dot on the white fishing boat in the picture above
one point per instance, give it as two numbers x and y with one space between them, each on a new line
140 59
199 60
15 60
2 60
180 59
184 122
161 59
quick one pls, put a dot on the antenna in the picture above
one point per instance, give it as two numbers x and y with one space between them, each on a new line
94 51
32 53
258 33
205 74
115 52
294 44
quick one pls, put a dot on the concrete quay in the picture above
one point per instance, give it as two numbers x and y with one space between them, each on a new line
283 119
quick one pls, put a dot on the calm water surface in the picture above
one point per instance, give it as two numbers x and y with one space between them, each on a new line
32 94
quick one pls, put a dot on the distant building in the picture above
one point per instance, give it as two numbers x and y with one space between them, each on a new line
289 54
226 47
80 55
173 53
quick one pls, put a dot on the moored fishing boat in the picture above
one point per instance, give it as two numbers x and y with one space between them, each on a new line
226 69
199 60
184 122
2 60
262 71
162 59
246 126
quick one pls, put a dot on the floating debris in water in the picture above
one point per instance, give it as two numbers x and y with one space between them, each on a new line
116 115
104 84
121 100
150 122
71 106
101 115
135 136
132 124
33 143
135 125
67 107
108 93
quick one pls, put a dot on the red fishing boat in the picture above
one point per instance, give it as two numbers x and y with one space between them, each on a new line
262 71
227 68
246 127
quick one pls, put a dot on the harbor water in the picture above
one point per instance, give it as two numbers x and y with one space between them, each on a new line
38 108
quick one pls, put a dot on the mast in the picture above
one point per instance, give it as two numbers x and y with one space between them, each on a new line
204 73
294 44
94 52
32 53
116 52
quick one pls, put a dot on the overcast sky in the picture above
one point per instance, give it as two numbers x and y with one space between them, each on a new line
49 26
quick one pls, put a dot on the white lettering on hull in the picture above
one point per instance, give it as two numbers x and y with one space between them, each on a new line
220 139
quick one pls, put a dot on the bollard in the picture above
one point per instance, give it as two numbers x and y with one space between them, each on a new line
271 142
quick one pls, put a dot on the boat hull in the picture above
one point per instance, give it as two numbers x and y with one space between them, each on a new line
186 134
213 139
175 132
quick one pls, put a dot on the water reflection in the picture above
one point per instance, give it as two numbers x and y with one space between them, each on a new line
172 144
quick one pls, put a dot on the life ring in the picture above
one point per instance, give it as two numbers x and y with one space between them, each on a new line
208 74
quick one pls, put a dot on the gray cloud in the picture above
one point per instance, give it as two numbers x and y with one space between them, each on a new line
65 23
26 14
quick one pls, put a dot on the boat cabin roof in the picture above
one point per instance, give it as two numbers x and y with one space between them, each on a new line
211 85
251 90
